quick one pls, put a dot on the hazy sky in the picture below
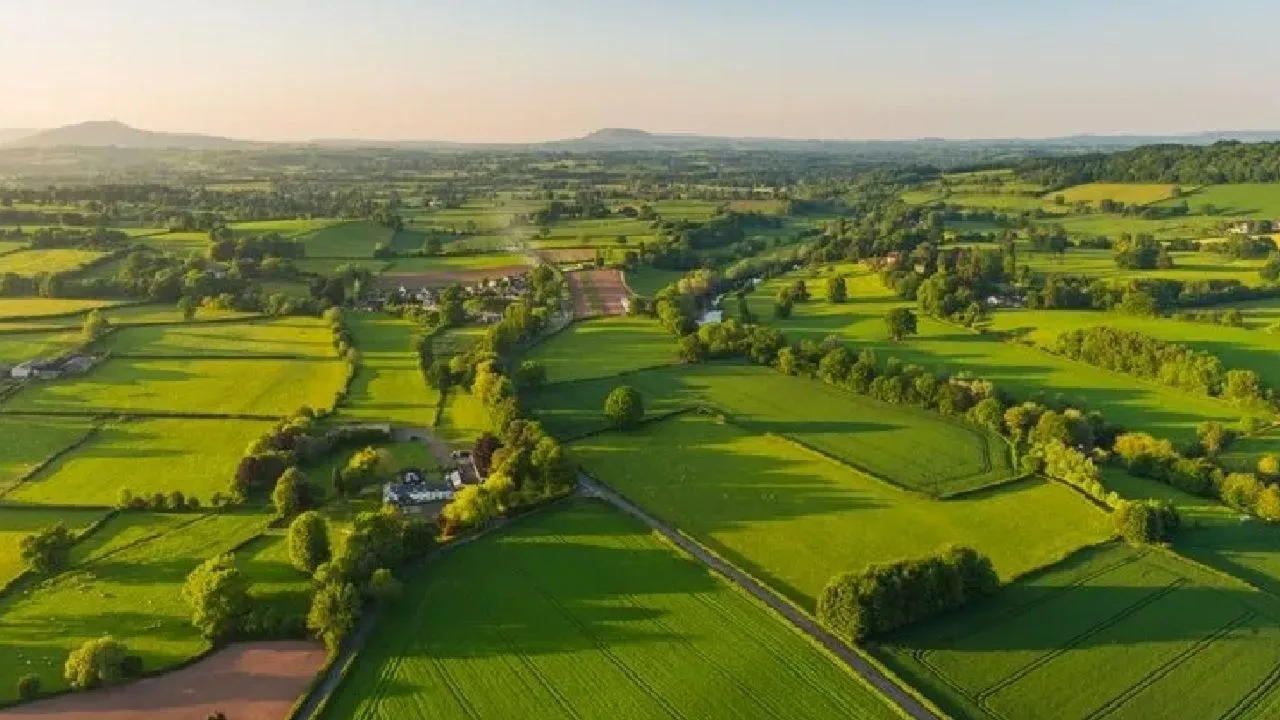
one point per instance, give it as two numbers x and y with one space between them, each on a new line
518 70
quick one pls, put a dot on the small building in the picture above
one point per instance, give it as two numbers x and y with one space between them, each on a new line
711 316
77 364
413 495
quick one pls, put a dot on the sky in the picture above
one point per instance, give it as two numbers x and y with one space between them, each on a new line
528 70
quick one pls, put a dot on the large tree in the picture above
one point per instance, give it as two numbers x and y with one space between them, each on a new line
97 663
309 544
47 551
218 596
900 322
334 611
624 408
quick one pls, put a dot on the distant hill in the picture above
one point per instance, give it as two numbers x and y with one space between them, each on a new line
110 133
10 134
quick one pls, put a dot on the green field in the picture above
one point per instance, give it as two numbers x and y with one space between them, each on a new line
193 386
457 263
388 385
33 262
303 337
288 228
648 281
1127 193
604 347
20 347
273 578
146 314
1238 201
582 613
17 523
329 266
1112 226
28 442
42 307
1187 266
1019 370
601 232
198 457
462 419
795 518
877 438
347 240
1115 632
457 340
126 581
188 243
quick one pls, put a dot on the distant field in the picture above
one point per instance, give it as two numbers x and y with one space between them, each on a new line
8 246
449 269
300 336
605 347
1188 266
1127 193
17 523
198 457
881 439
255 387
42 307
1020 370
602 232
582 613
1257 200
457 340
347 240
695 210
287 228
178 242
795 518
1115 632
126 582
330 266
150 313
29 263
29 441
389 385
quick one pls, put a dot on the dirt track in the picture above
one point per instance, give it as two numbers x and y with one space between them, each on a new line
248 681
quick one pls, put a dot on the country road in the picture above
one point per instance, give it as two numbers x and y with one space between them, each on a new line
806 624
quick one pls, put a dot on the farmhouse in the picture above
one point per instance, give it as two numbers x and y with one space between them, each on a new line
413 495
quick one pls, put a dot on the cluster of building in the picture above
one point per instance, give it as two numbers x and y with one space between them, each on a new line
414 493
49 369
508 288
1254 227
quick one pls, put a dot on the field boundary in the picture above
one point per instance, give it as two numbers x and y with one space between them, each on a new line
92 432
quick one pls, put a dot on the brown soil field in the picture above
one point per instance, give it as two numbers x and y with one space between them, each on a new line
247 681
563 256
597 292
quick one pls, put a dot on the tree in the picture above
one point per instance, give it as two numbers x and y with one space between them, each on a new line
1148 521
1213 437
218 595
837 291
29 686
624 408
96 663
531 374
47 551
334 611
900 322
292 494
364 468
187 306
1269 465
309 545
383 586
95 325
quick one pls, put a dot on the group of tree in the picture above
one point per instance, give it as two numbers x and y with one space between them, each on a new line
884 598
1221 162
624 408
1147 521
1141 252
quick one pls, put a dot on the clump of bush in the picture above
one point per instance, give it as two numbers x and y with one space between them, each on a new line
174 501
1148 521
99 663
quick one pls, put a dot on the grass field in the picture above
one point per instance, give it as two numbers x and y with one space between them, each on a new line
292 336
288 228
1112 226
43 307
596 232
695 210
196 243
462 419
457 263
1187 266
795 518
126 581
457 340
32 262
389 385
604 347
1127 193
27 442
1022 371
347 240
1238 201
222 387
648 281
150 313
881 439
20 347
1115 632
329 266
17 523
198 457
273 578
581 613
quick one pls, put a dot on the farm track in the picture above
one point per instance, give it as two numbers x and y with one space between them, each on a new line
885 685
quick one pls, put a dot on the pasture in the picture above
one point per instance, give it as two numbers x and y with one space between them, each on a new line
1238 201
648 281
457 340
583 613
30 441
30 307
443 270
596 232
189 243
126 580
877 438
19 347
29 263
17 523
1024 372
1127 193
273 578
388 385
1114 631
288 228
604 347
795 518
301 337
462 419
272 388
346 240
1187 266
198 457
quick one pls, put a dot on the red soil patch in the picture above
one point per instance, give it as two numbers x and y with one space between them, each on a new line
249 681
597 292
441 278
564 256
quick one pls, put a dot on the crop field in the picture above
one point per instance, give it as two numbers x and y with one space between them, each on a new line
603 232
1190 226
1022 371
597 292
29 441
1188 266
388 385
30 307
302 337
648 281
604 347
20 347
1113 632
795 518
881 439
346 240
582 613
1238 348
192 386
126 581
32 262
1127 193
449 269
16 523
1245 200
198 457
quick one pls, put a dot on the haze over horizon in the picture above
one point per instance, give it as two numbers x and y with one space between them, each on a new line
504 71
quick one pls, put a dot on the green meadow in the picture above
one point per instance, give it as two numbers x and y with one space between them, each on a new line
604 347
582 613
32 262
648 281
795 518
302 337
30 307
19 522
346 240
1238 201
30 441
19 347
388 385
1127 193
